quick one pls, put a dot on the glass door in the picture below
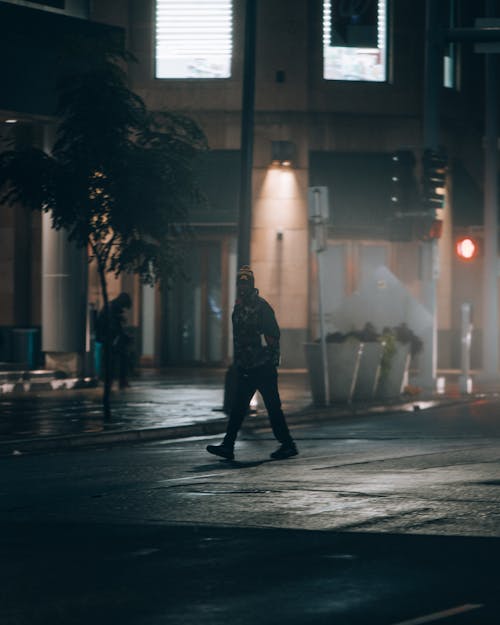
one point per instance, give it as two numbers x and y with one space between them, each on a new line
193 314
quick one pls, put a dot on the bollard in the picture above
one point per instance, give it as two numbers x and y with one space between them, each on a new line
465 381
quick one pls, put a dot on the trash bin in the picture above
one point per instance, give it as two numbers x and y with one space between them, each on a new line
26 346
98 359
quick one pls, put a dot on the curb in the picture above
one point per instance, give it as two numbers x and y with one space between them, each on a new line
13 386
93 439
305 416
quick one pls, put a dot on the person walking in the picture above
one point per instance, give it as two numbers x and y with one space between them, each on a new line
256 363
119 339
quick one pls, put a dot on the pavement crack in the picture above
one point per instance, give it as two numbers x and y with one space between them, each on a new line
383 519
408 457
249 491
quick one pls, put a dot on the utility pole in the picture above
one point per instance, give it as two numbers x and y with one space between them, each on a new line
247 124
246 166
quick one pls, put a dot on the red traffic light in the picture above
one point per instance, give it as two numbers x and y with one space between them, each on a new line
467 248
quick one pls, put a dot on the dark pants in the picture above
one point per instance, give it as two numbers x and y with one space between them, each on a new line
120 362
121 365
265 380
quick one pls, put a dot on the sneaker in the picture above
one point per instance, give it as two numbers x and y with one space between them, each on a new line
287 450
222 451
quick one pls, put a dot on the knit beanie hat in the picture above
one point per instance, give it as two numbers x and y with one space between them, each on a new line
245 275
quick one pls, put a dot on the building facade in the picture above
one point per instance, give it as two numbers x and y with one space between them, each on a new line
337 95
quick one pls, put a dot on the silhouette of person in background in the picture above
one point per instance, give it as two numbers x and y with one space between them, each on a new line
120 340
256 367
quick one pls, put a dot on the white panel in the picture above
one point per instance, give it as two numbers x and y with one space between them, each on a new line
194 38
351 63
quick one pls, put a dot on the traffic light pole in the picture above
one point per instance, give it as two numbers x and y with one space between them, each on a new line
429 250
490 269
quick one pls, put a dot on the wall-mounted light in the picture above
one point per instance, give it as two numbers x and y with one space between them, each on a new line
11 121
282 153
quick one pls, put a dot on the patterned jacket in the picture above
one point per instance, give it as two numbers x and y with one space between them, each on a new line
256 333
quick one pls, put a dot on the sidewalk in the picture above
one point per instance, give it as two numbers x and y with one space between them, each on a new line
172 403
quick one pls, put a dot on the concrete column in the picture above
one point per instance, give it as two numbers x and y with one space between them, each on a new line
64 300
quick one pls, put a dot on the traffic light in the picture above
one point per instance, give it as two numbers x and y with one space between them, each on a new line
434 166
403 188
467 248
426 228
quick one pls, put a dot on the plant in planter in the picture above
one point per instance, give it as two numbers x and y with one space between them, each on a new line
371 360
404 335
401 344
363 363
389 340
343 351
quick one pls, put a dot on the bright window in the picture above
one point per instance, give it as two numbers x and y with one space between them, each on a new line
194 38
355 40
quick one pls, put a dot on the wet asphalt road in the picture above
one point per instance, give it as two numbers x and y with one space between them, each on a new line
384 519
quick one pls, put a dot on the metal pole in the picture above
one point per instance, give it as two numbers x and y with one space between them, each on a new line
433 55
319 235
247 123
490 270
431 141
466 333
484 34
324 356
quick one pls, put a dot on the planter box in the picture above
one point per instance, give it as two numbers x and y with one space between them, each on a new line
392 382
343 366
369 371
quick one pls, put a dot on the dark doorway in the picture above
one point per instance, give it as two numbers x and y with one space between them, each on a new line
193 313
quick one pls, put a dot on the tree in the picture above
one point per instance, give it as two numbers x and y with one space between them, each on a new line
119 178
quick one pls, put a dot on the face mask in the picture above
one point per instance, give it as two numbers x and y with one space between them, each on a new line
243 289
